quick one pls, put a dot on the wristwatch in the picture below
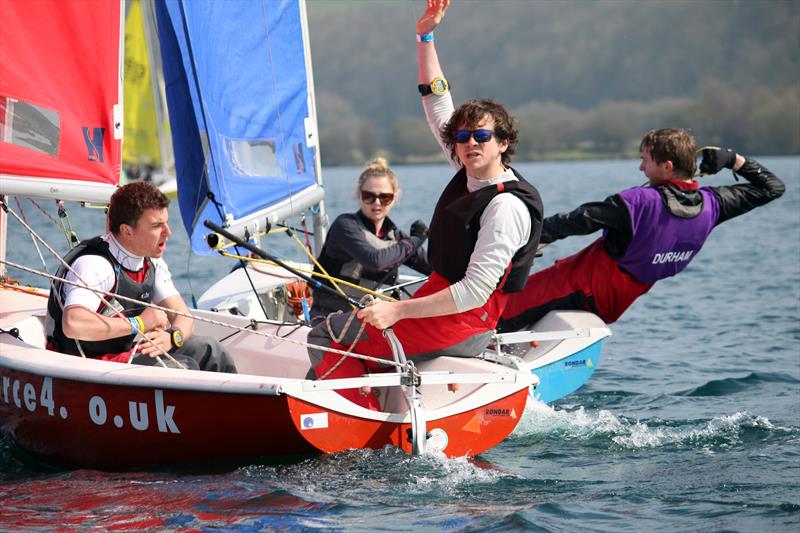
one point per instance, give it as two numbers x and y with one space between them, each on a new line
438 86
176 336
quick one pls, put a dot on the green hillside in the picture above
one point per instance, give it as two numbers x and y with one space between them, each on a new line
585 78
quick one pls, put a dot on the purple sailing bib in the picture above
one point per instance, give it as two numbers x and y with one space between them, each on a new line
663 244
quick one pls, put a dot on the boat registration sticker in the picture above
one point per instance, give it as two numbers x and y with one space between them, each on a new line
314 421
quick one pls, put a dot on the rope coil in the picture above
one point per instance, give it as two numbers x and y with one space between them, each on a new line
299 298
366 299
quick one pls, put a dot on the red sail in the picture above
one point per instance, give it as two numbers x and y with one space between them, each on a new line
59 83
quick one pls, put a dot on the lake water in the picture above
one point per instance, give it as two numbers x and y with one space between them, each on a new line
691 422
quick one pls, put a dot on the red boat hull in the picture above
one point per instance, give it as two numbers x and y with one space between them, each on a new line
74 423
79 423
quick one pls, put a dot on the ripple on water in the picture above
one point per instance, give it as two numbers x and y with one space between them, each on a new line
722 387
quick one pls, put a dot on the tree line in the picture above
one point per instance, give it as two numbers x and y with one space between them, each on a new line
583 78
756 121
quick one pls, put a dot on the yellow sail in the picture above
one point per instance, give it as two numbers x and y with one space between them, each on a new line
140 142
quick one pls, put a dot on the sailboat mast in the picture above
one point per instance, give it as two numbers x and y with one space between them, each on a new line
312 135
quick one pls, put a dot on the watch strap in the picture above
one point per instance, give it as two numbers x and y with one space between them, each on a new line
172 335
427 88
442 83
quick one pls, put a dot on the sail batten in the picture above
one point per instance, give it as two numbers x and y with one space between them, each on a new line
51 187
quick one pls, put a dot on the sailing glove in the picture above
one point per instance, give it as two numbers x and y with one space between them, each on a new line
715 159
419 229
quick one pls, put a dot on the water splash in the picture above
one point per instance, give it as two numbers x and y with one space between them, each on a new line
603 428
371 470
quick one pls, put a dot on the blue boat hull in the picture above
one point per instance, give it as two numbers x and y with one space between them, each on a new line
566 375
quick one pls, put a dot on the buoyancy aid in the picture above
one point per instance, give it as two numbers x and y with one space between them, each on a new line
456 221
124 285
663 243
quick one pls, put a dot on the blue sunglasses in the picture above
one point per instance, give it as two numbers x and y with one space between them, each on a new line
480 136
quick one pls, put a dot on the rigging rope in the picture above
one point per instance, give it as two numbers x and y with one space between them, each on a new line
311 273
254 236
72 239
339 338
55 222
317 263
305 231
14 285
203 319
82 283
35 244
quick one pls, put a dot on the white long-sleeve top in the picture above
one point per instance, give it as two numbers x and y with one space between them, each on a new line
505 223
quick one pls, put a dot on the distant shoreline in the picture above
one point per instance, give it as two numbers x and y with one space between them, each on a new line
546 157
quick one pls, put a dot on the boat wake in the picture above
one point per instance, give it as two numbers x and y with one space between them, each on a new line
604 429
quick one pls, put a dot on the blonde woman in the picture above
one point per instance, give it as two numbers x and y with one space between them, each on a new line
366 247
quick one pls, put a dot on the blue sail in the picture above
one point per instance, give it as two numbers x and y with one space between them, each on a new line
238 84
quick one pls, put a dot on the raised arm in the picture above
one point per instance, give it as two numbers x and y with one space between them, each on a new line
610 214
438 107
429 67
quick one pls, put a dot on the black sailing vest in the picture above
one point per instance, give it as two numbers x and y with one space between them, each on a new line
123 285
456 221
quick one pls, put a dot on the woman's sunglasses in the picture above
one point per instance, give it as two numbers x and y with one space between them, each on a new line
369 197
480 136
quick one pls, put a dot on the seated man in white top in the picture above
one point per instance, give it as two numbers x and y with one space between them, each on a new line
127 261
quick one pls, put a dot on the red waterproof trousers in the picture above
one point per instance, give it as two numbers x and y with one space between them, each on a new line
419 336
589 280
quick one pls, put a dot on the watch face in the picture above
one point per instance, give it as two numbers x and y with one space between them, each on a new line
177 338
439 86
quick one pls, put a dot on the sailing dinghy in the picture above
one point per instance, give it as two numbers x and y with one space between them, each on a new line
246 153
60 89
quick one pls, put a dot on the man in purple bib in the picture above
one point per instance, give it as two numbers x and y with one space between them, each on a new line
649 233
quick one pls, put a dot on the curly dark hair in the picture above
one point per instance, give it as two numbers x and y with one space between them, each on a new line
470 113
672 144
130 201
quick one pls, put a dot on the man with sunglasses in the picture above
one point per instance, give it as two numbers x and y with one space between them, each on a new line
483 237
649 233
